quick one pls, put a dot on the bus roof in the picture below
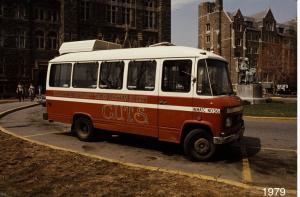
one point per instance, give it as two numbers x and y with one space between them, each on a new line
157 52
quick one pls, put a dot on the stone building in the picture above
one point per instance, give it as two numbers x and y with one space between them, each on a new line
32 31
268 47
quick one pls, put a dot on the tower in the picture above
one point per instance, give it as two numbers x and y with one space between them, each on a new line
219 10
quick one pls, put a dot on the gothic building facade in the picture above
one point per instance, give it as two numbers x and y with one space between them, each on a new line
268 47
32 31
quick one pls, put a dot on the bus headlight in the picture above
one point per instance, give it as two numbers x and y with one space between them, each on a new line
228 122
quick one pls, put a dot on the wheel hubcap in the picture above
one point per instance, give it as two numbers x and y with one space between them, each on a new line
201 146
84 129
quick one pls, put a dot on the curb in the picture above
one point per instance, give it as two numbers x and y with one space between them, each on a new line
8 101
4 113
233 183
270 118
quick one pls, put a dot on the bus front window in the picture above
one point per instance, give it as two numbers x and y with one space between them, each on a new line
213 78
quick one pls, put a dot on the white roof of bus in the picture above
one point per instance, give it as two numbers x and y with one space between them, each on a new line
137 53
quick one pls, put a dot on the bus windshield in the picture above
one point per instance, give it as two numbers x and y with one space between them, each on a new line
217 74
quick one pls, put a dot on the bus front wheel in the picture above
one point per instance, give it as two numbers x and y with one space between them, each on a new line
84 129
199 146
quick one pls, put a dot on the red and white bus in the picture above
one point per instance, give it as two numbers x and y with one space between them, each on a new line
176 94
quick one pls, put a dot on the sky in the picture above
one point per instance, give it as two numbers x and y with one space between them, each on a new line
185 15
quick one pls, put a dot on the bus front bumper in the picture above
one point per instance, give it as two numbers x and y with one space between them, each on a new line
231 138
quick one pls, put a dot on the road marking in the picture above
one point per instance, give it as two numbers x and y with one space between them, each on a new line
41 134
247 177
257 118
274 149
269 148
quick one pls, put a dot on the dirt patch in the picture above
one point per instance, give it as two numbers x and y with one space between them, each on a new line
32 170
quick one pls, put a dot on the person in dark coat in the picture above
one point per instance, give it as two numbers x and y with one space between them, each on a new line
20 92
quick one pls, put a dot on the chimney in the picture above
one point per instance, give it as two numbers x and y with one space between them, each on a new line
219 4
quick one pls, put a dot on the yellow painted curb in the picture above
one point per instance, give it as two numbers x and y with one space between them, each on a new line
270 118
151 168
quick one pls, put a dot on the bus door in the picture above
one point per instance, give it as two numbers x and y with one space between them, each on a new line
142 84
175 97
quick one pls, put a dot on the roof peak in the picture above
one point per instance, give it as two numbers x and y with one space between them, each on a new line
262 14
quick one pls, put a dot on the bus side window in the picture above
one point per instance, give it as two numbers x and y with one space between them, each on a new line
141 75
177 76
60 75
111 75
85 75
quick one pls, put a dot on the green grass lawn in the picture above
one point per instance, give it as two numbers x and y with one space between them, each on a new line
273 109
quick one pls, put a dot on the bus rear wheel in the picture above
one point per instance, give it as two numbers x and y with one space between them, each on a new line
199 146
84 129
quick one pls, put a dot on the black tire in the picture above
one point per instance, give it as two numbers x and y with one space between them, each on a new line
198 145
84 129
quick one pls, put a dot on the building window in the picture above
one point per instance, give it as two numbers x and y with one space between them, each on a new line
237 53
149 3
53 16
2 38
2 69
209 7
238 42
112 14
150 14
255 50
111 75
39 14
207 39
21 12
126 1
52 40
270 26
21 39
176 76
126 16
85 10
239 27
1 90
281 30
141 75
208 27
1 10
249 50
40 39
150 17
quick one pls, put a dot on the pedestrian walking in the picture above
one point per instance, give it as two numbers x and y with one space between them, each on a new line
31 92
40 90
20 92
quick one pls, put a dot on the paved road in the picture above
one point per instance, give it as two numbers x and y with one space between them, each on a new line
266 156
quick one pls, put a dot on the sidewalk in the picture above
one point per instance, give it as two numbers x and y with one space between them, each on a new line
12 105
2 101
